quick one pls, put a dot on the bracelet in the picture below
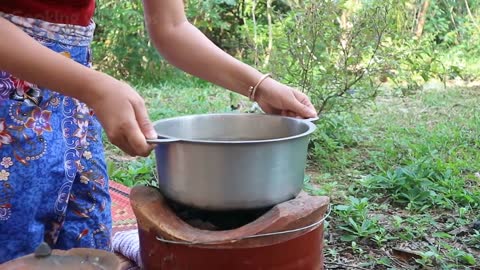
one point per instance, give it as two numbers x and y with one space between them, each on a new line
253 89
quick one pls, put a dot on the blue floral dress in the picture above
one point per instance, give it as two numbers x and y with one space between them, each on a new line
53 180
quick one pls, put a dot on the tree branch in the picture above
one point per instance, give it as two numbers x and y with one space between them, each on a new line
347 84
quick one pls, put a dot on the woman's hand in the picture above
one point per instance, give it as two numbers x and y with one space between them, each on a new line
122 113
277 98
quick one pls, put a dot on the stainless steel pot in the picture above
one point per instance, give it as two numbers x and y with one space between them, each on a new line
231 161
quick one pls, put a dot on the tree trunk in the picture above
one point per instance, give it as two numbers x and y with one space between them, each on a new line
470 15
345 23
344 26
254 7
270 34
422 17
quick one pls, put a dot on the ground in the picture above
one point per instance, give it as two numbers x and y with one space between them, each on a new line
403 174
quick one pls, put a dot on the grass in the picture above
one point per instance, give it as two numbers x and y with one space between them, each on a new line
403 174
407 178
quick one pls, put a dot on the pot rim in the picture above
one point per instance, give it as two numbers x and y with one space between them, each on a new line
169 139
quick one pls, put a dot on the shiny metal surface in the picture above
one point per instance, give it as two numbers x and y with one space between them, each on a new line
231 161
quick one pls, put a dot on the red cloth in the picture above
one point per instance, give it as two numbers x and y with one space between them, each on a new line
78 12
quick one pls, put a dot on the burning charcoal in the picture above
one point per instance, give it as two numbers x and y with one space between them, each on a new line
215 220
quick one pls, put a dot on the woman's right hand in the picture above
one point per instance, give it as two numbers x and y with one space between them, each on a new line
122 113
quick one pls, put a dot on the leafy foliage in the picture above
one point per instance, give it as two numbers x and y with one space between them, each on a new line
122 47
337 51
334 63
422 185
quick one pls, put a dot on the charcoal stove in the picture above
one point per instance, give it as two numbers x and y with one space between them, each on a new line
287 236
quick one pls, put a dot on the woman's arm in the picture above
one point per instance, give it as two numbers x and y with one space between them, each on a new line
28 60
184 46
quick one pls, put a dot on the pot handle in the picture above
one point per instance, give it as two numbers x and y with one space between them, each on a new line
312 120
162 140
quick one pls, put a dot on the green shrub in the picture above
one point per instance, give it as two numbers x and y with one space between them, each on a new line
122 47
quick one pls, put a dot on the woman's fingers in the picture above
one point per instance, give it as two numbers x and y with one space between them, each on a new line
124 117
143 119
302 105
136 143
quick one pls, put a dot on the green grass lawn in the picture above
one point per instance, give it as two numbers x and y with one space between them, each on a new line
404 178
403 174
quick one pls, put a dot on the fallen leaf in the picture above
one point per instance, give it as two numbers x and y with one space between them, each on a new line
462 230
405 254
430 240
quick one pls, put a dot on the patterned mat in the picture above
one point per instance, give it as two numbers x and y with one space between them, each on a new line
124 222
122 213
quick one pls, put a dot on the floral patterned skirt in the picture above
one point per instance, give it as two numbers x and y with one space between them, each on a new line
53 179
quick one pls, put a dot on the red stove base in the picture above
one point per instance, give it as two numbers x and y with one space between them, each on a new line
287 237
301 253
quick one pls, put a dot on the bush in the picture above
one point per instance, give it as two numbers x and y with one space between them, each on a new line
335 63
121 47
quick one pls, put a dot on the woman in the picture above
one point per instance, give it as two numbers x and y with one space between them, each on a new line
53 180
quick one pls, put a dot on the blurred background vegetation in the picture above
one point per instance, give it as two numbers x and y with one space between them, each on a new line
397 87
323 47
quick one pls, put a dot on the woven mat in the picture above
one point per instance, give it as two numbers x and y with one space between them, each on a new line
123 218
122 214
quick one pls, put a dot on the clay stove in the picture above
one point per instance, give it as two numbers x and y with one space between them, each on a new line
288 236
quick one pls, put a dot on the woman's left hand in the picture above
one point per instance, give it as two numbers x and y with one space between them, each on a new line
277 98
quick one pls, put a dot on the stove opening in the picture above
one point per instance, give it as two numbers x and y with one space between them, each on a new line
215 220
